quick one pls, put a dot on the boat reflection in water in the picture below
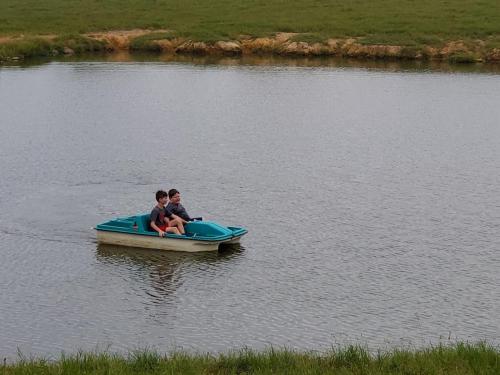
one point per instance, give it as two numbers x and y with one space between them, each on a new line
164 271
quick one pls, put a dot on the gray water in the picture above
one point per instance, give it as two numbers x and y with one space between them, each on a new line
372 200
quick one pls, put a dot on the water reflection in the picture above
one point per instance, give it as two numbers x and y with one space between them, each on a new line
164 271
270 60
392 65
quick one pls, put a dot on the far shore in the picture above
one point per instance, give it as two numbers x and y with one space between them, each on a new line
22 47
459 31
456 31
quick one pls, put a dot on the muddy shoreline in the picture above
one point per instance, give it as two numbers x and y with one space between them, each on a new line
282 44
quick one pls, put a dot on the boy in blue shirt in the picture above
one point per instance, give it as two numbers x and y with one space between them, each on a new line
174 205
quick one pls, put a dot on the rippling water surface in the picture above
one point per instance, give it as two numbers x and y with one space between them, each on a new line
372 200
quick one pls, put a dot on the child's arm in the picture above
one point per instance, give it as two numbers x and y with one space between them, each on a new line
155 227
174 216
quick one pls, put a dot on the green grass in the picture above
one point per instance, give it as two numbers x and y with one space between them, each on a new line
493 42
379 21
78 43
39 47
462 58
30 47
148 43
459 359
310 38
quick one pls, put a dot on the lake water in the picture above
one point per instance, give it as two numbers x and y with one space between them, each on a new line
371 196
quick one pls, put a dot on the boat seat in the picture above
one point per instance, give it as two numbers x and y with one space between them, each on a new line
143 222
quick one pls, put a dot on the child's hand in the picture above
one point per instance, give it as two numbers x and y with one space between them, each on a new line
161 233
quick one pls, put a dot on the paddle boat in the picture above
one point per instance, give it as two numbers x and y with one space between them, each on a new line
135 231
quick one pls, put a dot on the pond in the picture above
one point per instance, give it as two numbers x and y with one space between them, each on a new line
371 196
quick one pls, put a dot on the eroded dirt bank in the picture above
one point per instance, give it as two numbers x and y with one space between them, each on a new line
288 44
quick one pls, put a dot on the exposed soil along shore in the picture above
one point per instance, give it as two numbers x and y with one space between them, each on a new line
284 44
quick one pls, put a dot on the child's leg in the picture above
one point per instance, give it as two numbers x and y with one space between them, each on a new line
172 230
177 223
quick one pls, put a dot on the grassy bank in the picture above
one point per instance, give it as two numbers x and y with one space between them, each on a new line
455 360
380 21
410 24
42 47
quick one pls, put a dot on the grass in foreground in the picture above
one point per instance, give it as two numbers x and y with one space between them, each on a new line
399 22
459 359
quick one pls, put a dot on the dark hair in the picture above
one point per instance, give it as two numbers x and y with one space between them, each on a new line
160 194
172 192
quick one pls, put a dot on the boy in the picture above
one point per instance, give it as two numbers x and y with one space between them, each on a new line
160 217
176 207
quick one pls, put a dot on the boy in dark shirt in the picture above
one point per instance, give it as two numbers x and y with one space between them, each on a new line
163 220
174 205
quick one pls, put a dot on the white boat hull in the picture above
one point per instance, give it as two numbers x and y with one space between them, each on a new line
161 243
